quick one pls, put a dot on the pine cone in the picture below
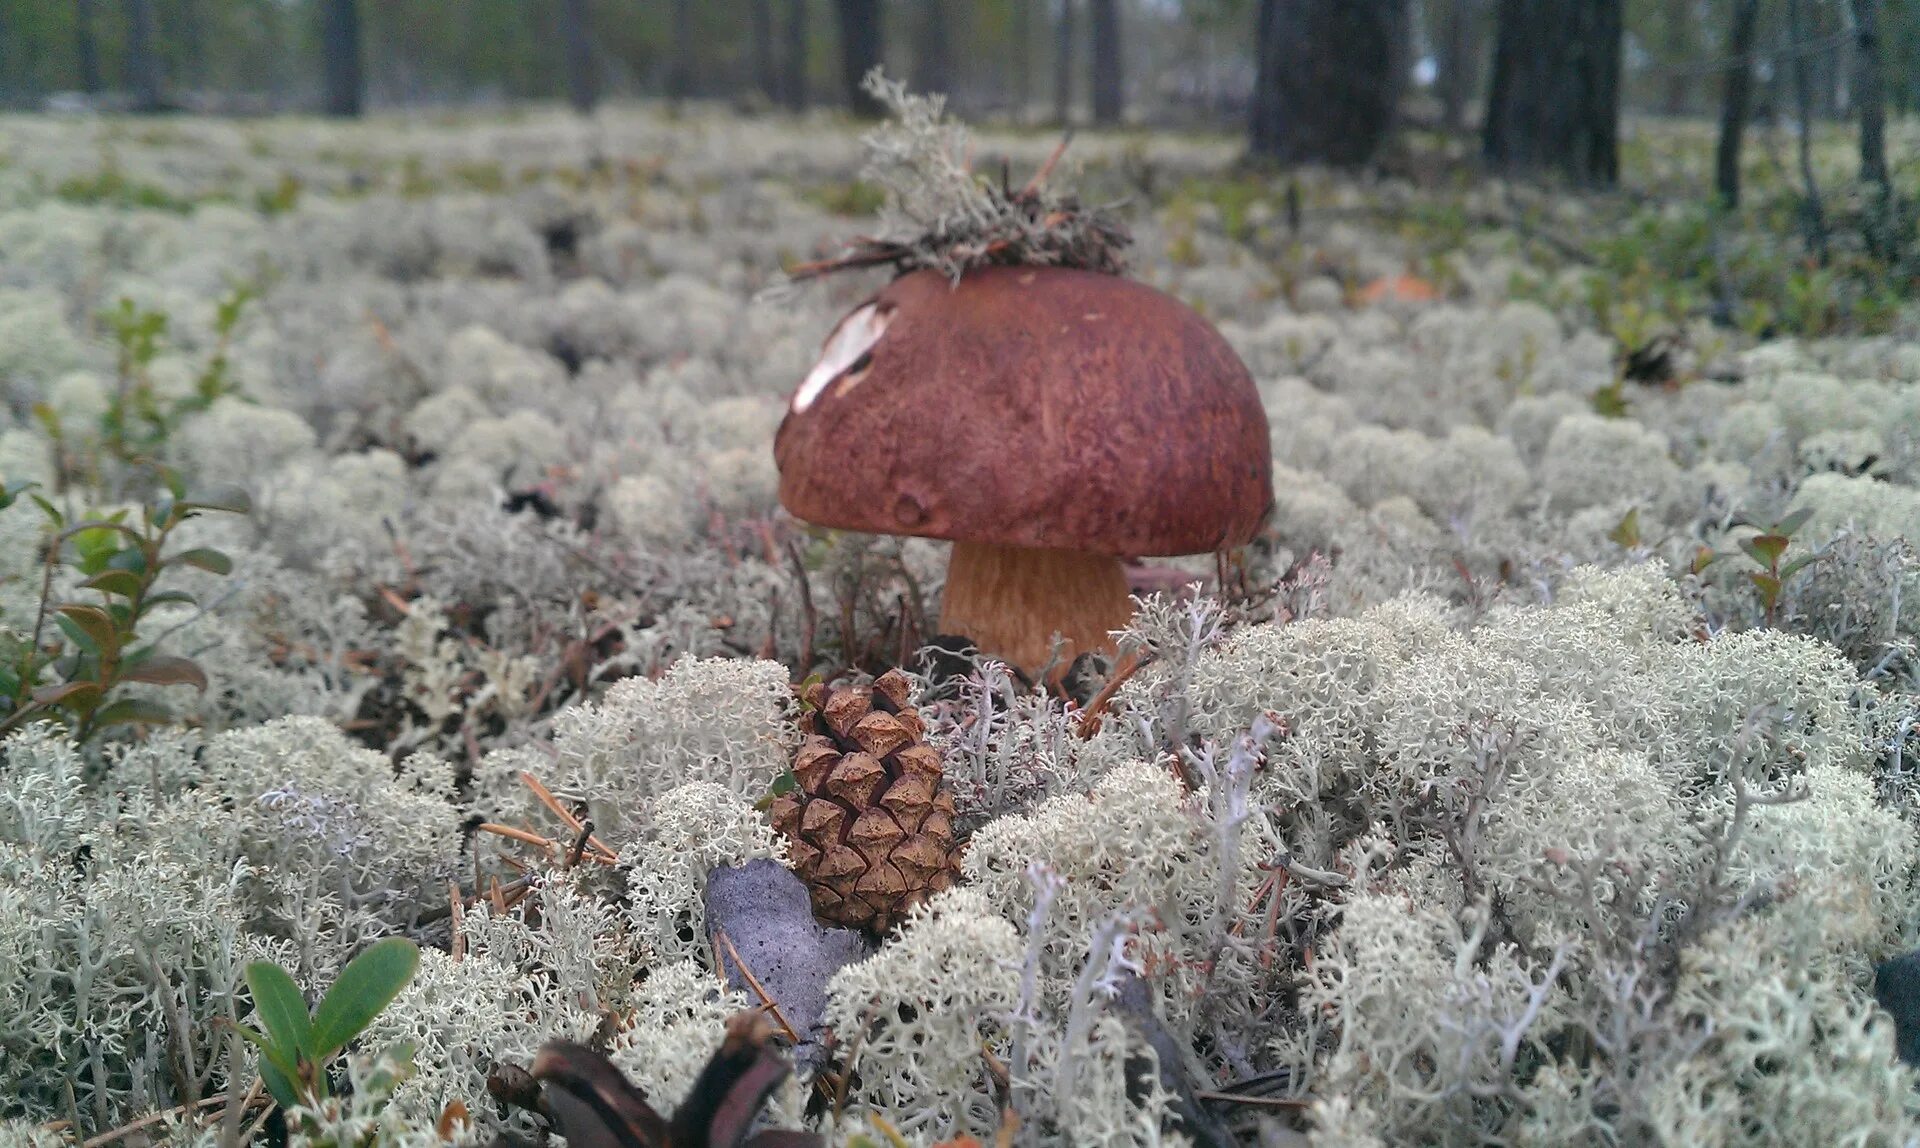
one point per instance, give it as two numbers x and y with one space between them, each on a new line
870 824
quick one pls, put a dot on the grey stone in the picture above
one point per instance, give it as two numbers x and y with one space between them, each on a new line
765 912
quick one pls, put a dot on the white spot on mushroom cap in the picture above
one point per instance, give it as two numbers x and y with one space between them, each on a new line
850 341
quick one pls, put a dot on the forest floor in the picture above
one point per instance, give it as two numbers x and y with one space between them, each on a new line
1587 602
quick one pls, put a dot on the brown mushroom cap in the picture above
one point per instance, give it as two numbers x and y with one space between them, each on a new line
1030 407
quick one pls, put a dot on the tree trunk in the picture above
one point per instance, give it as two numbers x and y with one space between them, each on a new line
6 58
1108 62
192 64
859 52
765 78
1327 85
1735 95
1871 94
340 43
1063 64
1555 98
576 33
680 66
932 57
143 57
794 74
1021 53
1679 53
1459 67
1812 212
85 48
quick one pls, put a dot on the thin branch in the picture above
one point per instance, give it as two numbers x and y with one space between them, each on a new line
766 999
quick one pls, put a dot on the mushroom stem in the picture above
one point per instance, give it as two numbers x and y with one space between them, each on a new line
1011 600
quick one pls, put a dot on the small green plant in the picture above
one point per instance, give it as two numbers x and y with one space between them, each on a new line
111 187
1768 549
139 420
297 1045
282 199
1626 534
74 672
850 198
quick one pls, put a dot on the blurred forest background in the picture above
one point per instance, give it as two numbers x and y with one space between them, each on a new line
1433 92
1188 63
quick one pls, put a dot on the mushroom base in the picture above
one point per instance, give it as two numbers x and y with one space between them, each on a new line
1011 600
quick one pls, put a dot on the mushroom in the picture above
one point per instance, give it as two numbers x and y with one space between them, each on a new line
1049 422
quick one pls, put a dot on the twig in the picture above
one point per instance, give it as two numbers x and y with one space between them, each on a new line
468 900
1045 172
545 796
579 844
1254 1101
457 911
1130 664
766 999
807 611
516 834
153 1118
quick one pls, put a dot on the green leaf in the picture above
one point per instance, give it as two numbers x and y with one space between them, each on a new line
1627 534
279 1086
132 559
52 512
232 502
132 711
1765 549
1769 588
1794 521
1703 557
1797 565
115 582
282 1009
76 634
368 984
212 561
277 1072
89 627
168 598
81 696
168 670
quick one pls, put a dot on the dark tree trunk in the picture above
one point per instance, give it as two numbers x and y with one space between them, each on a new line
143 57
1870 93
859 52
1327 83
192 60
765 78
932 55
794 74
1813 214
576 33
1020 51
1679 36
86 49
1063 64
1108 62
680 66
1459 65
1555 99
340 44
6 59
1735 95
